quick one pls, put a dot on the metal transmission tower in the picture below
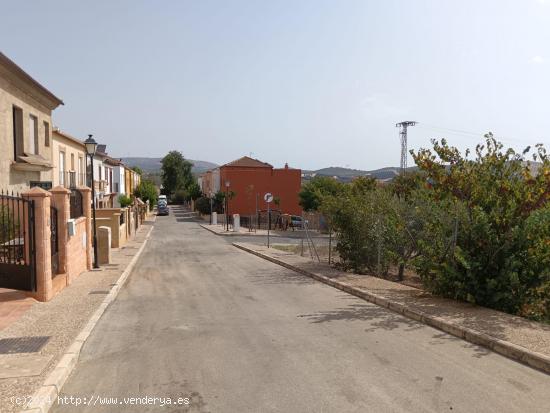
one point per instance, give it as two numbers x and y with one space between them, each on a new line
403 135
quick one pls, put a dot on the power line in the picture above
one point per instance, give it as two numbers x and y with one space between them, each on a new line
471 134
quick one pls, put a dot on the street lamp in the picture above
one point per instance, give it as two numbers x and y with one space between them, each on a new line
91 146
227 184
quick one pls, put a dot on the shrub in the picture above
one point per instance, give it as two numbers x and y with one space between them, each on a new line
497 256
147 191
124 201
180 196
202 205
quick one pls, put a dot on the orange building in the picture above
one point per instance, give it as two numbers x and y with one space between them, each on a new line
250 179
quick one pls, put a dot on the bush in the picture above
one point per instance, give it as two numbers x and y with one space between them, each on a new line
124 201
147 191
496 255
202 205
476 230
180 196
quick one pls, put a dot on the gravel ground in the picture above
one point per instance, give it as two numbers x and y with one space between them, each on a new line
63 317
529 334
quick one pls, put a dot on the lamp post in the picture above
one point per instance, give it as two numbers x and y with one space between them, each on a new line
91 146
227 184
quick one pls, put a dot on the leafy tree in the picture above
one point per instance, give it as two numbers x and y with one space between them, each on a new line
491 257
362 184
176 172
137 169
194 190
314 190
180 196
147 191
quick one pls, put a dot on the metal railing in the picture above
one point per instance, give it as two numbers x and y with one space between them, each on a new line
76 204
71 179
17 253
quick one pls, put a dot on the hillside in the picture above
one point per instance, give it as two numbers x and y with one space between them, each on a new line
346 174
153 164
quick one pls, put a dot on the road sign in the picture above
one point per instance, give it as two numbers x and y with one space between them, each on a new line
268 197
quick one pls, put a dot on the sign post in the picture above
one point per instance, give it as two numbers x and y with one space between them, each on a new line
268 197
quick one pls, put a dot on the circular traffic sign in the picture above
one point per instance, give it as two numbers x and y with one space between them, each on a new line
268 197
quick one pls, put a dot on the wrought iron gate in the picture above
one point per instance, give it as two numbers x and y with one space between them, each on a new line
54 241
17 245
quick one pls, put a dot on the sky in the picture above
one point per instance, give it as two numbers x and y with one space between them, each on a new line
312 83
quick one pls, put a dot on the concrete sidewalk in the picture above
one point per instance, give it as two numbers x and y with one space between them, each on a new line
48 329
514 337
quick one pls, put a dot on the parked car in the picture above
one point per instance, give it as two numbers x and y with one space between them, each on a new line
296 222
163 209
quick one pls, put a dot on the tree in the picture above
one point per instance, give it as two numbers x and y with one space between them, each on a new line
363 184
194 190
485 253
147 191
137 169
314 190
176 172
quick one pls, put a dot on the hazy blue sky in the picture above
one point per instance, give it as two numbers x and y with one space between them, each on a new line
311 83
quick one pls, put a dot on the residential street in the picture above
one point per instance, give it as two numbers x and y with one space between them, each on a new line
199 318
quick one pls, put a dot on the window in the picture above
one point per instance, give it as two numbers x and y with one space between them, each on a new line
17 132
46 134
72 161
80 171
61 168
116 187
33 135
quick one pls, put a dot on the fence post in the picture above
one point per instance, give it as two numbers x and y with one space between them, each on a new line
42 234
87 211
60 200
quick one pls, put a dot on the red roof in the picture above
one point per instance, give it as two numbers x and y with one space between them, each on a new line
248 162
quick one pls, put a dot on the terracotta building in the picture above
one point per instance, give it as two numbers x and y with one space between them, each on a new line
250 179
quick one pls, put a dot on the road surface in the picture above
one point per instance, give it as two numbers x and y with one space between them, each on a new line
202 320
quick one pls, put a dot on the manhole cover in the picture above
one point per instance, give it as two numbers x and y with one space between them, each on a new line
99 292
22 344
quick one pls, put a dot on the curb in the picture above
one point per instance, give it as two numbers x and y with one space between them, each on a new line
502 347
42 399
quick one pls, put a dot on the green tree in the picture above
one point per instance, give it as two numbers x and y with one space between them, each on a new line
137 169
194 190
362 184
147 191
314 190
175 172
485 253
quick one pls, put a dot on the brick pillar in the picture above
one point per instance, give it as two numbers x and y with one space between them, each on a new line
42 233
87 209
61 200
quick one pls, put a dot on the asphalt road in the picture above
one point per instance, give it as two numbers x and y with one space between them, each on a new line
200 319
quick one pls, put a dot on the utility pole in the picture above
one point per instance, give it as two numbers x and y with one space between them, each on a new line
403 135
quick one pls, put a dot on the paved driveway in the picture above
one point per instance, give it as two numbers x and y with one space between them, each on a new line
234 333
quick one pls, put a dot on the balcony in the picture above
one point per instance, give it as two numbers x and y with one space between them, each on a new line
71 179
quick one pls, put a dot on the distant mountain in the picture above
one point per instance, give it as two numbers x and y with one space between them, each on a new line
152 165
347 174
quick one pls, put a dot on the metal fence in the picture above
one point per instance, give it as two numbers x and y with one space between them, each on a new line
76 206
17 252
